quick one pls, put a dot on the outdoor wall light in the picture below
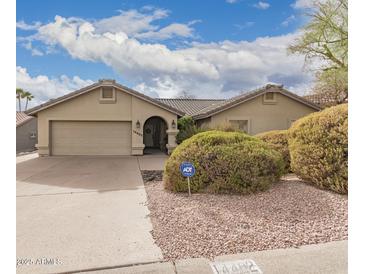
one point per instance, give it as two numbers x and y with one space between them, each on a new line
138 124
173 124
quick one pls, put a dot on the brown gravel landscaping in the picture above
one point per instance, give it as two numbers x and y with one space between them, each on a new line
290 214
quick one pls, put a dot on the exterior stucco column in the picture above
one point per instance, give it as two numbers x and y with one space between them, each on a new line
171 140
137 138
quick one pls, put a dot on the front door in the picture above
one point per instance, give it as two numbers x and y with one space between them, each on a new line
154 134
148 135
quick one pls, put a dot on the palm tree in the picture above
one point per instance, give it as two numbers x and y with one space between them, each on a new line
28 96
19 96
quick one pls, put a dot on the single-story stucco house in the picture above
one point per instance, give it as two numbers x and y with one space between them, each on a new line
26 132
107 118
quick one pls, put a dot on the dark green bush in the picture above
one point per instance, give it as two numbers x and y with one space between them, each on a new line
225 162
318 148
278 139
187 128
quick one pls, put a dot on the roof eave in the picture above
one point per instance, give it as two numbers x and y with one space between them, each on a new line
24 122
301 99
253 96
33 111
150 100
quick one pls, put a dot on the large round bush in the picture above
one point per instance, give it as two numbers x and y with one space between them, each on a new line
278 140
318 148
225 162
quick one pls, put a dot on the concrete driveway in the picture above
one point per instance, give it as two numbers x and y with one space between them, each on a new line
76 213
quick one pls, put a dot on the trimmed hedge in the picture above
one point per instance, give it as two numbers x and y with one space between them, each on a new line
318 148
278 139
225 162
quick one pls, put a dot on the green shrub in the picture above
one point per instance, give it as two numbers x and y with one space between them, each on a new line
278 139
187 128
318 148
225 126
225 162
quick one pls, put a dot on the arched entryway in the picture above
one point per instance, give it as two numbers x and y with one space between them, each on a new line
154 135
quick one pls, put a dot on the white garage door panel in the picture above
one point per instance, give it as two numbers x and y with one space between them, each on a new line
91 138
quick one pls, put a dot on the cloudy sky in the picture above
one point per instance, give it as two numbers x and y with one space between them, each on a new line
161 48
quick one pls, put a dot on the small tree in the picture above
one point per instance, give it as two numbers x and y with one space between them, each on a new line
333 82
325 38
187 128
19 96
28 96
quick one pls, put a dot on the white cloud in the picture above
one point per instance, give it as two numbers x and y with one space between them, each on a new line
140 25
231 1
305 4
134 23
219 69
44 88
288 20
127 55
262 5
34 51
172 30
24 26
131 22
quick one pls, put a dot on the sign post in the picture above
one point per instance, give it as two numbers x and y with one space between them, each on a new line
187 169
189 186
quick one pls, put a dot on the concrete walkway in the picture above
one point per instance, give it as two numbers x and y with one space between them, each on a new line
152 162
327 258
78 213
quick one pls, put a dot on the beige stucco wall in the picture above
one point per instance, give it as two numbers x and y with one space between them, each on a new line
264 117
87 107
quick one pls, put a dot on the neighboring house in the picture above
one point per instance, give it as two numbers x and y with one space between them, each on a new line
107 118
324 99
26 132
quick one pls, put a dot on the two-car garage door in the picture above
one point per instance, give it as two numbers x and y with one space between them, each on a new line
90 138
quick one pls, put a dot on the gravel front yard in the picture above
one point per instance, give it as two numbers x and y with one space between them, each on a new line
290 214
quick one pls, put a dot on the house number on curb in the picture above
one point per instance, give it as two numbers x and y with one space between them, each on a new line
187 169
246 266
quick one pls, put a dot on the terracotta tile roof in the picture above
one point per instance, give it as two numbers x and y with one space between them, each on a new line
190 106
22 118
323 100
